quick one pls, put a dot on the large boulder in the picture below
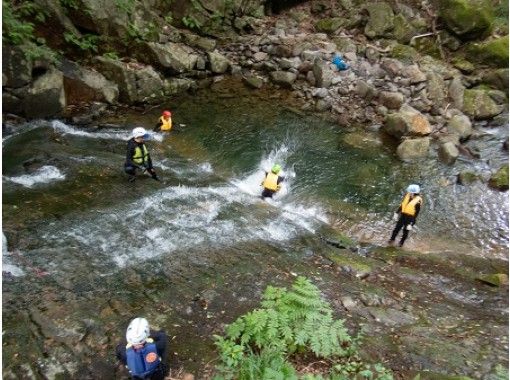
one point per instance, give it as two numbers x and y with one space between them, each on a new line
480 105
406 122
174 86
16 68
380 20
174 57
136 82
202 43
413 148
492 53
497 78
448 152
499 180
219 63
322 73
403 30
283 78
460 125
84 85
468 19
46 96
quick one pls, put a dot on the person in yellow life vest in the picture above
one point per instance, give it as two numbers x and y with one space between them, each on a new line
164 123
407 213
272 181
137 156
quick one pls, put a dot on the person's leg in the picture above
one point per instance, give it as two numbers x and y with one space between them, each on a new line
405 232
131 172
266 193
397 228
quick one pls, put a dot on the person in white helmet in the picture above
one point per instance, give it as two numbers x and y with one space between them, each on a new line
407 213
145 351
137 156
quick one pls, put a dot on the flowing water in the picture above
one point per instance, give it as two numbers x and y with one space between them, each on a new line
73 222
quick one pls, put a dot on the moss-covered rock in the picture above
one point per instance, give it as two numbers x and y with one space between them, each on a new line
404 53
380 20
497 279
480 105
497 78
403 30
499 180
468 19
492 53
467 177
410 149
329 25
428 46
463 65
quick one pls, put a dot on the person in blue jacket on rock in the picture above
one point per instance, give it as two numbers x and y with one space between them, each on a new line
145 351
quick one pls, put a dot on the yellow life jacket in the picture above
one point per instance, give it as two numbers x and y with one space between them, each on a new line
166 124
408 204
140 157
271 182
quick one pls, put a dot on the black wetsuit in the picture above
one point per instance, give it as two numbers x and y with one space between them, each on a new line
160 340
403 221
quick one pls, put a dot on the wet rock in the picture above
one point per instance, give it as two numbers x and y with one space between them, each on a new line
391 317
283 78
492 53
456 92
499 180
46 96
83 85
202 43
174 86
322 73
497 78
498 279
413 148
380 20
16 68
392 66
177 58
219 63
467 19
407 121
253 81
448 153
479 105
414 74
11 103
365 90
460 125
391 100
467 177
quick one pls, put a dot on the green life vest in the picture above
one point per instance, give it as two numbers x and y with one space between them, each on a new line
141 157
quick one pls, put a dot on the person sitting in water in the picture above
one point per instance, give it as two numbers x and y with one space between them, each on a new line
145 351
137 156
272 182
164 123
407 213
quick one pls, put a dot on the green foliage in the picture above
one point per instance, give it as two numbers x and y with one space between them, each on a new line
86 42
169 18
258 345
69 4
191 22
501 373
14 30
111 55
125 5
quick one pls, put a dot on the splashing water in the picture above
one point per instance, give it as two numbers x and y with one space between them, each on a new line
44 174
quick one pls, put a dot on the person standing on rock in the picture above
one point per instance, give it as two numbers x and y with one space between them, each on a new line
145 351
407 213
164 123
137 156
272 181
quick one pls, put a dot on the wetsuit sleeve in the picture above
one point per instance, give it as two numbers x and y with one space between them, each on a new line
157 128
120 352
130 153
417 208
149 163
280 180
160 340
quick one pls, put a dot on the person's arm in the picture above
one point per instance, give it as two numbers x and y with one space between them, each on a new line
417 208
157 128
120 352
130 153
280 180
160 340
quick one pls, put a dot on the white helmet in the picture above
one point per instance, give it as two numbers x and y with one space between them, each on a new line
415 189
137 331
139 132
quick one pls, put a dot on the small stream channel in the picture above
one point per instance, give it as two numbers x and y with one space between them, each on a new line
87 251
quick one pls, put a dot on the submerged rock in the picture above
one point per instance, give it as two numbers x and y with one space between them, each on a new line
499 180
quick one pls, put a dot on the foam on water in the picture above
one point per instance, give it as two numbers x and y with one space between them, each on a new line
7 266
44 174
107 134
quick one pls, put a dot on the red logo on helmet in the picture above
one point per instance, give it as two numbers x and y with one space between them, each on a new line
167 113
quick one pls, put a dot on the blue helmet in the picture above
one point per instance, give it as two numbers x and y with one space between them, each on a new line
415 189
